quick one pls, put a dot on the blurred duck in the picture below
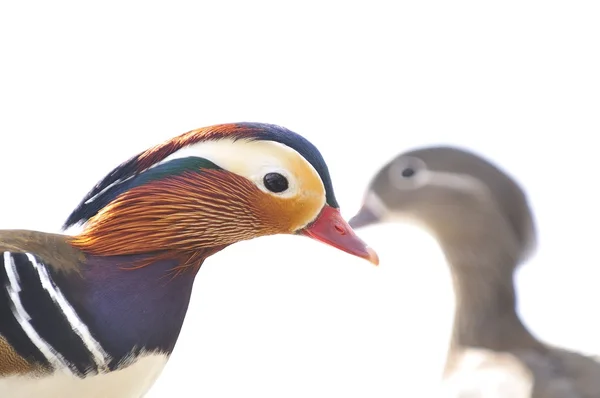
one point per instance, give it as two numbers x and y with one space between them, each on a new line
483 223
97 314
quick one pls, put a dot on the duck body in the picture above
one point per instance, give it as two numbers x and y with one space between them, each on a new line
87 334
548 372
98 314
482 221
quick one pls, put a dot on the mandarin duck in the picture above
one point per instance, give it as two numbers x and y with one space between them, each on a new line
97 314
483 223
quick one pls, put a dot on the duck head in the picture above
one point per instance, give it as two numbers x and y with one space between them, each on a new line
453 193
197 193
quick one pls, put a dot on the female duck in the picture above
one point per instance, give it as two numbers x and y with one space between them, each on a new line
483 223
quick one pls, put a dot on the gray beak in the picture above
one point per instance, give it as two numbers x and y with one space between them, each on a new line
364 217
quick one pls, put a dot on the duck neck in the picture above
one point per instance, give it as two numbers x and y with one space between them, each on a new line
485 315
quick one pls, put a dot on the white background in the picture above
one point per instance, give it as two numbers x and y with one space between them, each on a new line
84 87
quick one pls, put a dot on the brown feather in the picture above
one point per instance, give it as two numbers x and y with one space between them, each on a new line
188 216
11 362
52 249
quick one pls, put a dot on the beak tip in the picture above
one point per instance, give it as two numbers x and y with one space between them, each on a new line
372 257
330 228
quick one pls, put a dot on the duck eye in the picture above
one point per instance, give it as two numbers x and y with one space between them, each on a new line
275 182
408 172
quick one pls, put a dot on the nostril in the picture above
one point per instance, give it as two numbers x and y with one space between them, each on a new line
339 229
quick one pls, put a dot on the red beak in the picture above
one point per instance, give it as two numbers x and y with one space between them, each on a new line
332 229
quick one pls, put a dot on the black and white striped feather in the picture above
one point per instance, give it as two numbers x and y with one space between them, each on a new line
38 321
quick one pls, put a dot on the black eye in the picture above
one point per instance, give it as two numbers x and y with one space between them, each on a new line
408 172
275 182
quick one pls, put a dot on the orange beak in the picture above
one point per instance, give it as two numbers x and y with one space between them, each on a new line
332 229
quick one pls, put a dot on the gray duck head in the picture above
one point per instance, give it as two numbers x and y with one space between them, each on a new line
455 194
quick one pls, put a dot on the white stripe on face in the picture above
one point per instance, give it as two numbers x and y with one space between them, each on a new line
463 182
253 159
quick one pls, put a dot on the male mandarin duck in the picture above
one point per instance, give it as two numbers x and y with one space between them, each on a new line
97 314
482 220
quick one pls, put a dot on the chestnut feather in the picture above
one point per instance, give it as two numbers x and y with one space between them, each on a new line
185 215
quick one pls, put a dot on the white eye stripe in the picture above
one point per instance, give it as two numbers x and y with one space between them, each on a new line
250 159
424 176
462 182
253 160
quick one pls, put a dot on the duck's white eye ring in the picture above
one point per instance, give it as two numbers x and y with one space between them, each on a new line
275 182
408 173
